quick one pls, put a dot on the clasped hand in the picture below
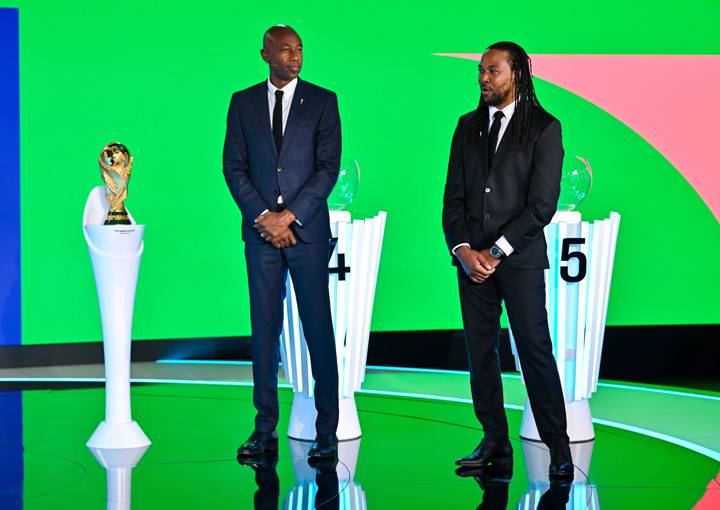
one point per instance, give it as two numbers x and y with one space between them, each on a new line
275 228
478 265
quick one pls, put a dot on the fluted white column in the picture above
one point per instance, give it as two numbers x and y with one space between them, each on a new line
581 256
353 268
115 252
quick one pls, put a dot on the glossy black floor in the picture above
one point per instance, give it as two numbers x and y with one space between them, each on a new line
403 460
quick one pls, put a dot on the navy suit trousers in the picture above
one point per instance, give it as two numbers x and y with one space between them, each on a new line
267 268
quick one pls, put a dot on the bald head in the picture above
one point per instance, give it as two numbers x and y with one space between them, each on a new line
276 32
282 51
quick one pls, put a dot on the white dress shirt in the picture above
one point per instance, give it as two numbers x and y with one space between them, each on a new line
508 112
288 93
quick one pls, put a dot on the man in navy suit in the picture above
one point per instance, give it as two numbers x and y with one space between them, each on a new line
281 160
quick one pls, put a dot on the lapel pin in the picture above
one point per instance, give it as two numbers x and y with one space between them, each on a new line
480 134
301 100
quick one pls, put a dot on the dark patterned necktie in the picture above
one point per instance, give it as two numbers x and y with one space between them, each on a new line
277 120
493 136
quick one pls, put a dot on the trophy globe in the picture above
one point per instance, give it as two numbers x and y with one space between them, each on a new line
346 188
575 184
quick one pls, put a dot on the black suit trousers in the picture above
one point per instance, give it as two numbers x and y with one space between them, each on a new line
267 268
523 291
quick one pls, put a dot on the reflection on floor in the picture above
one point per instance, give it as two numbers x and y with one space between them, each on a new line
332 484
404 459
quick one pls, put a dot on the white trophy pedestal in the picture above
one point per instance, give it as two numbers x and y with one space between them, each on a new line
115 252
118 464
118 436
353 269
579 422
581 255
302 419
537 461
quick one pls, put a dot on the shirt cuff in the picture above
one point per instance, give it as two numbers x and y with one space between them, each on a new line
505 246
298 222
457 247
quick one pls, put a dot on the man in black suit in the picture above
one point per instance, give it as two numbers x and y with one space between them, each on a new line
502 189
281 160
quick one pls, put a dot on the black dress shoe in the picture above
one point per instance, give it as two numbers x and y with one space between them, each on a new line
561 465
496 455
259 444
325 446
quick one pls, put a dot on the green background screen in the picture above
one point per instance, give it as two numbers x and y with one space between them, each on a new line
158 76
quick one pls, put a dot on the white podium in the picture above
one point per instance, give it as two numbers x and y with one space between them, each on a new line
118 464
353 275
581 256
115 251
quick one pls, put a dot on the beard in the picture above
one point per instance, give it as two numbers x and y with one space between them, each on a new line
496 99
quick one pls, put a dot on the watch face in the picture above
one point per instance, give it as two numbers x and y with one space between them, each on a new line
496 252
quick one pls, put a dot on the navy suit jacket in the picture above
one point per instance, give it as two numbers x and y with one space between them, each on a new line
516 197
304 172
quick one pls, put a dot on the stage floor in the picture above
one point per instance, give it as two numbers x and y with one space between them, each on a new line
655 448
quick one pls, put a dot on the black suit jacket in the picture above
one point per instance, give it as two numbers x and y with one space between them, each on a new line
304 172
516 197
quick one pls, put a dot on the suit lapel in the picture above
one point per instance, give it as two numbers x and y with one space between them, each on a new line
263 113
484 139
479 141
297 112
505 143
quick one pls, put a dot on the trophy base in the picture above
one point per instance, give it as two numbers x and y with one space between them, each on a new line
117 218
579 422
118 435
303 415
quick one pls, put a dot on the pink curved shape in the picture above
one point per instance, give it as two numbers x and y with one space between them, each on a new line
672 101
711 498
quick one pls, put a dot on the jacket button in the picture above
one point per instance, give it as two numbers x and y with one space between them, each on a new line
279 169
487 190
487 216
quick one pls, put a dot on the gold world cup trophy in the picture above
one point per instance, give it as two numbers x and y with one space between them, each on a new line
115 165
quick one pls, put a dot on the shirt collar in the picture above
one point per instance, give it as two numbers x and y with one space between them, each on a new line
508 111
288 90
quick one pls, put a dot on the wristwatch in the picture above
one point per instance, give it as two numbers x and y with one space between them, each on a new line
496 252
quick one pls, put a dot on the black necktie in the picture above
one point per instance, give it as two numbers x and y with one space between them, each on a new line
493 136
277 120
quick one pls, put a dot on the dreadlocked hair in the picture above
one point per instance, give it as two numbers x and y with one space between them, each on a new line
525 97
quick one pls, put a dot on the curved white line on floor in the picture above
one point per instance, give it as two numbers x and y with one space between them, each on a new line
702 450
630 387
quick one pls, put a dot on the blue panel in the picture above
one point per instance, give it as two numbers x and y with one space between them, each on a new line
11 451
9 179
